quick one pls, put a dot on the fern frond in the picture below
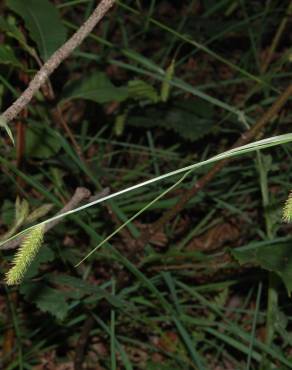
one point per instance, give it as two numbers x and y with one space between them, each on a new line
25 255
287 210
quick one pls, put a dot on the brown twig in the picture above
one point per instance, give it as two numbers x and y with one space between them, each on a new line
9 335
56 59
199 185
58 116
82 343
48 92
80 195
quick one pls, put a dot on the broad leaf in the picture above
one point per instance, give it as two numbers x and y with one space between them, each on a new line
46 299
275 257
96 87
86 288
43 22
188 119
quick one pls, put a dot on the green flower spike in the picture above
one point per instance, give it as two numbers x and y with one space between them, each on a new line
287 210
25 255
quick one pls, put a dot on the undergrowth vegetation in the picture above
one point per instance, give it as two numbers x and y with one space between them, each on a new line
164 141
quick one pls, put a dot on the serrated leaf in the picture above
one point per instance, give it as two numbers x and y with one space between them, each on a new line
47 299
187 125
86 288
7 56
43 22
53 301
139 89
97 87
188 120
276 258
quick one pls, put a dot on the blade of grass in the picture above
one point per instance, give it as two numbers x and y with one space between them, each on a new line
254 324
113 332
233 343
236 329
166 306
272 305
125 359
196 44
257 145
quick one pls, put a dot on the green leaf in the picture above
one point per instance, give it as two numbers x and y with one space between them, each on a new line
21 212
40 143
139 89
11 30
39 212
187 125
165 87
276 258
97 87
43 22
185 118
7 56
86 288
140 59
4 124
46 299
53 301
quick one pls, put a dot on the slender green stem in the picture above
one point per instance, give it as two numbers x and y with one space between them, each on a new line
112 331
272 304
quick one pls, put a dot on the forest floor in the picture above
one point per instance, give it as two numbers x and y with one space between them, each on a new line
198 274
